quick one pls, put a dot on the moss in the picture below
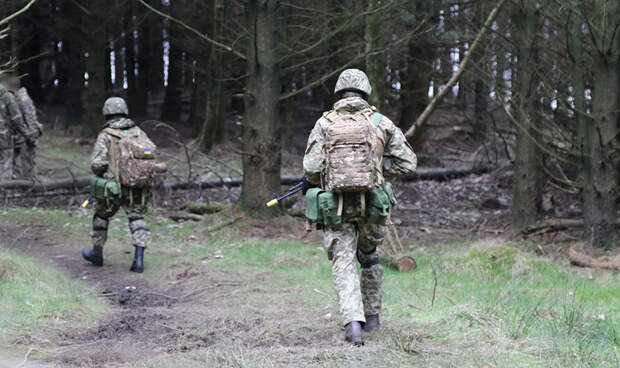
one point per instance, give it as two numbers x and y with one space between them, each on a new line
495 259
204 208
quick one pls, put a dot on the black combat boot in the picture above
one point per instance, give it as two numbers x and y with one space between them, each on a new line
353 333
138 260
372 323
94 256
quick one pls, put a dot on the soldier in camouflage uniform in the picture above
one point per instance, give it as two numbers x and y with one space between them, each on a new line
24 149
12 127
133 201
355 240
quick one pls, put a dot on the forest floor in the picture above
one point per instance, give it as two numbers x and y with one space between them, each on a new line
230 291
236 292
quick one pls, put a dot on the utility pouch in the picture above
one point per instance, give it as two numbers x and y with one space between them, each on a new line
380 200
102 189
322 207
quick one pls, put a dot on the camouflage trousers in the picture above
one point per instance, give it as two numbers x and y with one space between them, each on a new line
346 245
6 163
140 234
24 161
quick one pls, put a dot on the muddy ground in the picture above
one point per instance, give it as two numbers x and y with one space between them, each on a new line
192 308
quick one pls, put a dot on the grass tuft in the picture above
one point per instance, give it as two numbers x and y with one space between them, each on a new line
37 300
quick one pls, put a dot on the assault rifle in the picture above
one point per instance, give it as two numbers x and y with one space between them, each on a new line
299 187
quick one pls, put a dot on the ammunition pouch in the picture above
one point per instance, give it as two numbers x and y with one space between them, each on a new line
322 206
105 190
379 202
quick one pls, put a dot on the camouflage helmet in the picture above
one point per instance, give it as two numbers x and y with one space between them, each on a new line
353 80
115 106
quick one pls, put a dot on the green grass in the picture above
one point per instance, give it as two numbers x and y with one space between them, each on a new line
37 301
494 303
485 303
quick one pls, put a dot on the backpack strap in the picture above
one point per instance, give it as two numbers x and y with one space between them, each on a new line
376 119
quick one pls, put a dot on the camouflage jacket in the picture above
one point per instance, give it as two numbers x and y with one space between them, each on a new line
100 159
29 112
403 160
13 128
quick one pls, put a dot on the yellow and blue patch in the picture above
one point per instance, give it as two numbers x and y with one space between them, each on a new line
148 151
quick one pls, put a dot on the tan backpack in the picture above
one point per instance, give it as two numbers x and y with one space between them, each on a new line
351 150
132 157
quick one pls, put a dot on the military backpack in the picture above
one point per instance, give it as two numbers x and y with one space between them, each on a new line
132 157
352 161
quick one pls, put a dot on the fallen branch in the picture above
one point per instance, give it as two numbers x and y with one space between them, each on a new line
79 185
551 225
186 216
423 118
26 356
445 174
583 260
393 251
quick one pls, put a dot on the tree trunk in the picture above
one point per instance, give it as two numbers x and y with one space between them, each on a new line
94 27
72 55
375 64
130 56
261 126
527 181
171 108
213 129
144 61
576 52
419 68
156 55
600 194
31 38
481 89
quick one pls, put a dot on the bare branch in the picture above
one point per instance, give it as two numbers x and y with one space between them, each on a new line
203 36
439 96
17 13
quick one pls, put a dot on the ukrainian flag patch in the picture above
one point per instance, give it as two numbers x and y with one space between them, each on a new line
148 151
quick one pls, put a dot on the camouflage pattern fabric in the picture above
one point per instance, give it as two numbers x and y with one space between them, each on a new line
140 234
24 154
132 157
114 106
132 204
347 244
12 126
6 159
353 80
355 239
391 138
29 112
24 165
100 158
351 151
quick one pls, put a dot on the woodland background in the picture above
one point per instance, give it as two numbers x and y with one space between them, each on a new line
540 94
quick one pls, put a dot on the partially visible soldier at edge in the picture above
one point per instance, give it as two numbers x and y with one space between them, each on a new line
354 238
108 162
13 128
24 165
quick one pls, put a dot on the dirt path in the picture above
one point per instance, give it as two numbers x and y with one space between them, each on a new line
199 310
146 320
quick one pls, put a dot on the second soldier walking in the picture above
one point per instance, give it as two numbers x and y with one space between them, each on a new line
124 164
